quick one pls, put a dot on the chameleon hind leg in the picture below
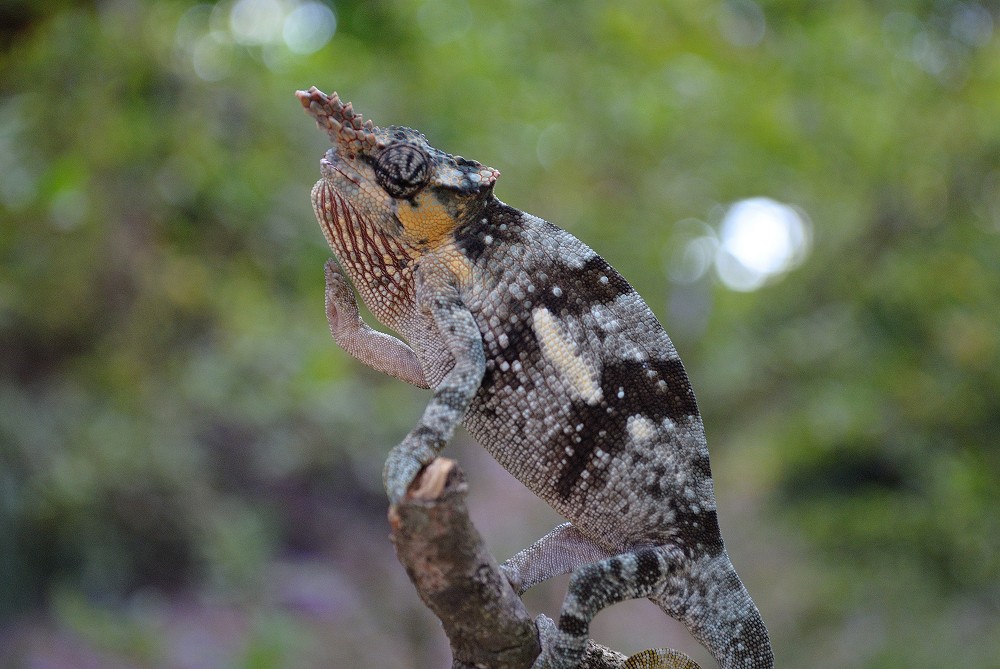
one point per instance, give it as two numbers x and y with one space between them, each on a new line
594 587
561 551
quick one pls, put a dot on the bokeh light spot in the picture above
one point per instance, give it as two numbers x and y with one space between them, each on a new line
309 27
693 253
972 24
742 22
212 57
256 21
760 238
278 30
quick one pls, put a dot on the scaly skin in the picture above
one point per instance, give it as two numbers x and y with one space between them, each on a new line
551 360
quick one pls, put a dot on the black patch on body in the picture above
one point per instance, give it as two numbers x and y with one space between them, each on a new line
596 282
643 395
603 418
701 465
497 220
697 533
681 402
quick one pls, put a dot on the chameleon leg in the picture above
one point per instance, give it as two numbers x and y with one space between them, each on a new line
439 297
710 599
378 350
596 586
559 552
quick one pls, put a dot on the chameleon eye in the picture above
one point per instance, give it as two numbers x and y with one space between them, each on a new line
402 170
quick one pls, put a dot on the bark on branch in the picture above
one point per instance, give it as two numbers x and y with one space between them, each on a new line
461 582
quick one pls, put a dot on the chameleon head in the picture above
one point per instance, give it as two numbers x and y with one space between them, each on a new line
390 178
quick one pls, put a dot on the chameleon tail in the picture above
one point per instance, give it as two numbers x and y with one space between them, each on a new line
710 599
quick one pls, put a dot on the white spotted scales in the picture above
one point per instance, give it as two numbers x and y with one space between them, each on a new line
551 360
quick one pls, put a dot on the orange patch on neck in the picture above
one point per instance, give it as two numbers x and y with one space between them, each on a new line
429 222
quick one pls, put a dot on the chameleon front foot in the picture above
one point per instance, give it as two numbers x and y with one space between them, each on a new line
400 471
341 305
403 466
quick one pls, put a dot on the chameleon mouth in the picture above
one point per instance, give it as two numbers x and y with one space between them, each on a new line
331 166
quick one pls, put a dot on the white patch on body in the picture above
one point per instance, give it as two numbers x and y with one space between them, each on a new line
640 428
579 371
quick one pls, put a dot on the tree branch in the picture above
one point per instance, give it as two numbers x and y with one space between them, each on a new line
461 582
456 576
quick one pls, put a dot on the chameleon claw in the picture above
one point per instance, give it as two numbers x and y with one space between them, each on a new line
401 469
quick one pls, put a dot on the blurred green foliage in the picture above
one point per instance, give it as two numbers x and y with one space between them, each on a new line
174 419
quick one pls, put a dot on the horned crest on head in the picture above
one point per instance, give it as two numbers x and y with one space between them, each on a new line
352 136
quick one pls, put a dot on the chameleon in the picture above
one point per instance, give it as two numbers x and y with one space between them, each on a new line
550 359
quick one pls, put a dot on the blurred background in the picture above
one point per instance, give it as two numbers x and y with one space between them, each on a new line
807 194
